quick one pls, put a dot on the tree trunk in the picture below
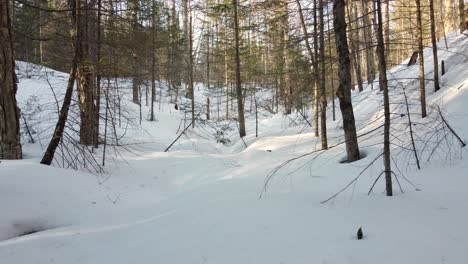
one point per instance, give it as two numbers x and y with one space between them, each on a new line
434 47
85 83
422 81
323 95
344 90
286 59
98 76
353 41
191 87
461 11
369 45
387 30
133 8
312 60
153 58
240 103
316 75
86 78
10 145
384 86
60 126
332 73
208 56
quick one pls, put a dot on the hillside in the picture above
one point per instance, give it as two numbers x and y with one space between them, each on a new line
199 202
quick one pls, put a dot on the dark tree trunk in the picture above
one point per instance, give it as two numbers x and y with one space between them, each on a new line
60 126
86 78
85 83
344 90
434 47
286 58
136 82
316 74
98 76
10 145
323 95
153 58
240 103
384 87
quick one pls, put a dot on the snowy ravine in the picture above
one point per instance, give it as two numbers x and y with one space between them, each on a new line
199 202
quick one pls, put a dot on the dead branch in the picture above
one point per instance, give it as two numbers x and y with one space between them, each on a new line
355 179
449 127
182 133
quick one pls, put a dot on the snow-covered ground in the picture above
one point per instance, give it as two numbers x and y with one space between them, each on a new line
199 202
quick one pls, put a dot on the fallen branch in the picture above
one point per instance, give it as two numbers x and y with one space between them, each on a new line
183 132
450 128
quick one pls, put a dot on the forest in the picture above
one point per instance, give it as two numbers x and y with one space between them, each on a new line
233 131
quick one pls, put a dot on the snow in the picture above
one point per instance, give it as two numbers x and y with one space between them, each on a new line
199 202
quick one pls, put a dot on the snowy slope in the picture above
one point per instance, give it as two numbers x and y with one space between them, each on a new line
199 203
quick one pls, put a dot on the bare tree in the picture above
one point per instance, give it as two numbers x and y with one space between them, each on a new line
154 25
60 126
434 47
422 81
369 49
191 87
384 87
323 91
240 103
136 82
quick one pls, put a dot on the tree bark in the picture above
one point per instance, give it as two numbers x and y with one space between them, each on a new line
133 9
240 103
85 82
461 11
98 76
344 90
316 75
154 16
286 57
10 145
434 47
384 87
191 87
369 47
332 73
323 95
353 41
422 81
